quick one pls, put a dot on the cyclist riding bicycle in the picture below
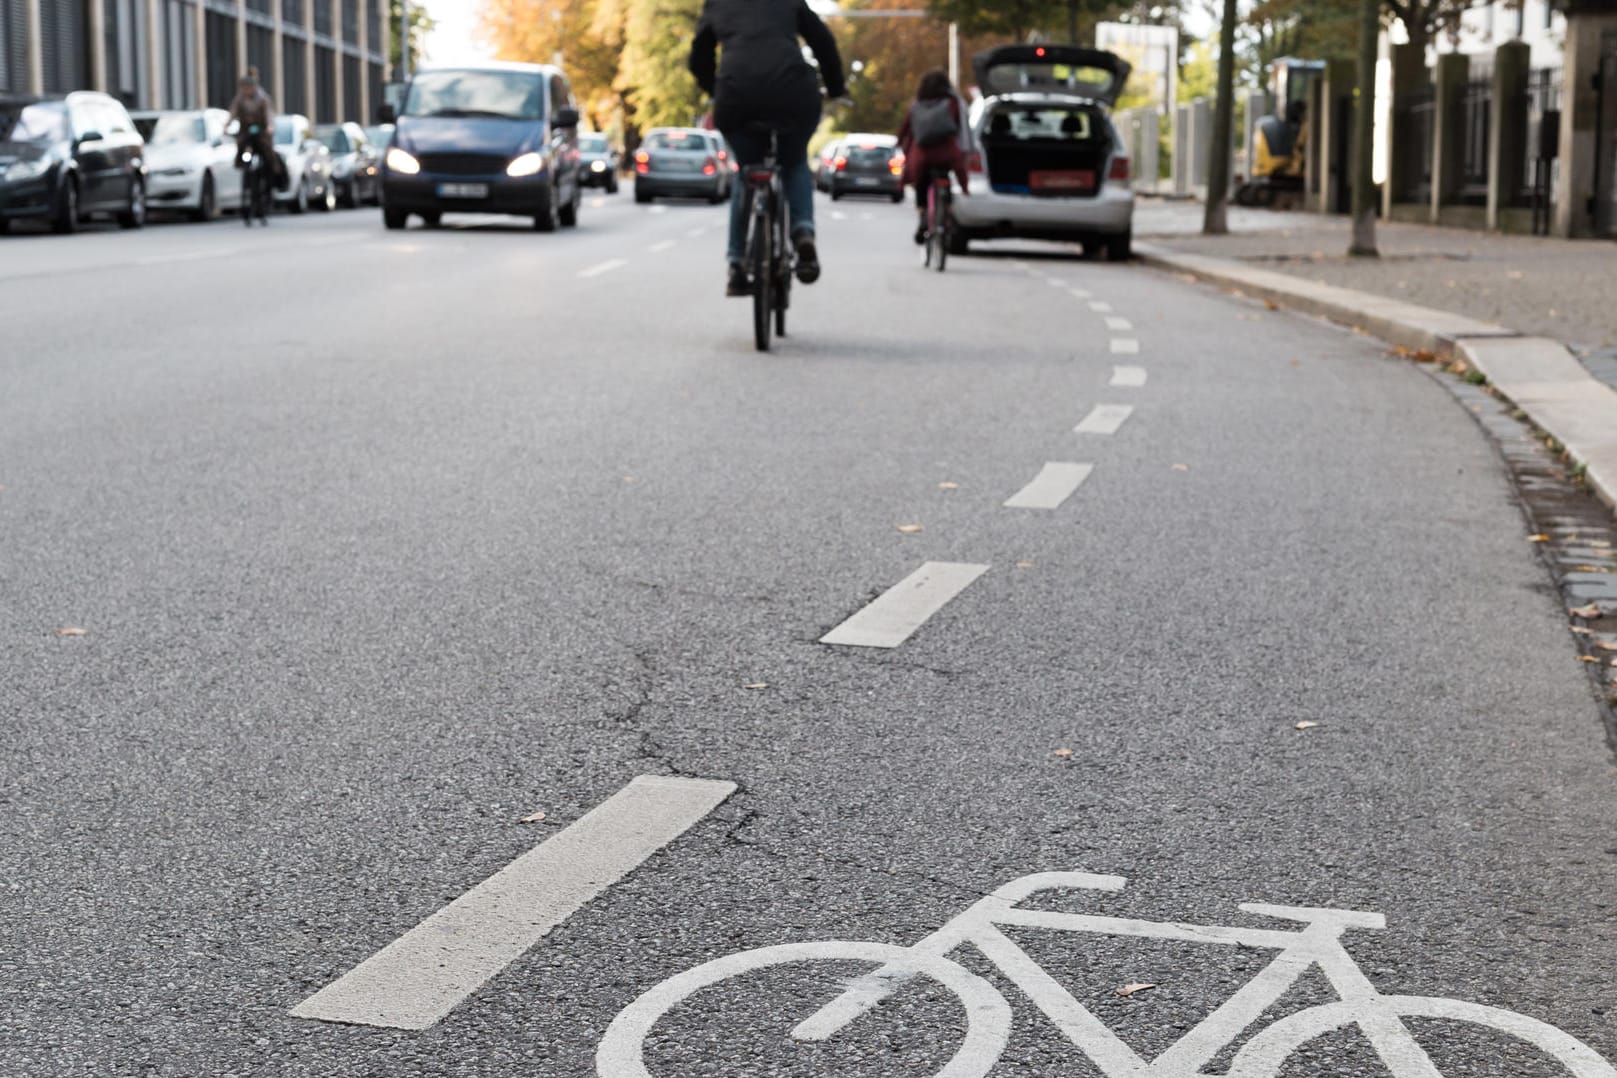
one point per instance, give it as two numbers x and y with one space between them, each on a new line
936 137
762 78
254 114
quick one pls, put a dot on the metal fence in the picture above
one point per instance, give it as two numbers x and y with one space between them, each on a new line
1543 95
1476 109
1412 143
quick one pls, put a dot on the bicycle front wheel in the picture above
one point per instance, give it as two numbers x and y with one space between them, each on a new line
988 1017
761 265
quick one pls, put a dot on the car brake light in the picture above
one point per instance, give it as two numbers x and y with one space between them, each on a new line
642 162
974 162
760 175
840 164
1039 51
1119 170
709 167
896 165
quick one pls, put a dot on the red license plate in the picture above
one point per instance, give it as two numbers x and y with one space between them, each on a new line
1065 180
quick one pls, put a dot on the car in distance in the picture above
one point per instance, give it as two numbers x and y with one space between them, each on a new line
355 163
307 163
687 162
867 165
822 163
190 163
599 160
380 136
484 138
66 158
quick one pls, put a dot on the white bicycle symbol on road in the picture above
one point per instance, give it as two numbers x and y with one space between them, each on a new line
988 1017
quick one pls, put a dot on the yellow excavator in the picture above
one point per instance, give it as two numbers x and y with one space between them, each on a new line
1280 143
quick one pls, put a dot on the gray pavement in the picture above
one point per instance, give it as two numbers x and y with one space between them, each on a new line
450 527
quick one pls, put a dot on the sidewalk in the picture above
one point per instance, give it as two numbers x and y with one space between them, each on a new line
1537 317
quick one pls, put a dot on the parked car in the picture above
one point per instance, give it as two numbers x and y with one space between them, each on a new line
1052 165
822 163
490 138
308 164
380 136
867 165
356 165
599 159
66 158
683 161
190 162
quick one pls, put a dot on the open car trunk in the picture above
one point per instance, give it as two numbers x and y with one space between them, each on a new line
1047 150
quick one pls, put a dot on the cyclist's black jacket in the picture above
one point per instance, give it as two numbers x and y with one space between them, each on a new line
762 75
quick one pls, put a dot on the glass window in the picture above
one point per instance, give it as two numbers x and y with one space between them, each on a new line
688 141
285 132
336 139
592 143
43 122
171 130
1061 125
113 118
506 95
560 96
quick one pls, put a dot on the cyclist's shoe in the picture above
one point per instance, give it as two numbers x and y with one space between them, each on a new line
808 259
738 284
920 232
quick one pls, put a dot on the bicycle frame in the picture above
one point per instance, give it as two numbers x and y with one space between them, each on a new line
767 251
1316 945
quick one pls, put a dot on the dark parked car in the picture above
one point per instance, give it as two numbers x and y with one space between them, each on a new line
63 159
867 165
356 165
489 138
684 161
599 160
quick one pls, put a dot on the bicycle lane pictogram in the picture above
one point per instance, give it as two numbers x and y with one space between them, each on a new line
1318 945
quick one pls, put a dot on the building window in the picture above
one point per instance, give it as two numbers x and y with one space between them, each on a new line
294 72
224 65
179 54
325 85
64 39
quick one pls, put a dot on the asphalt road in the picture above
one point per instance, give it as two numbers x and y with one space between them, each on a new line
381 542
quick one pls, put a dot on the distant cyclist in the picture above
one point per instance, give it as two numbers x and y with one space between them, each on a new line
763 78
935 137
254 114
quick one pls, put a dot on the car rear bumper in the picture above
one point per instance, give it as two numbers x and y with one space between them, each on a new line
866 183
985 212
419 194
688 184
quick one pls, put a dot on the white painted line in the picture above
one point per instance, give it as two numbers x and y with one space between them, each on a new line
1055 282
1104 419
1114 322
659 248
1127 376
838 215
184 256
605 267
903 608
658 209
695 233
1100 306
597 203
421 976
1079 293
867 216
1053 485
1125 346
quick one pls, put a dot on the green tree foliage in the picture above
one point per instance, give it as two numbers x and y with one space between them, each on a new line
421 24
580 33
886 58
1310 29
653 73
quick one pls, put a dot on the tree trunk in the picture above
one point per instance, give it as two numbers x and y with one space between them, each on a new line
1214 219
1364 117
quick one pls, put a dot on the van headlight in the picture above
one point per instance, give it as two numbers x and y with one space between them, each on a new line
401 162
527 164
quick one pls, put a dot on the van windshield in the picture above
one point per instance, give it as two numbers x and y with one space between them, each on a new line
500 95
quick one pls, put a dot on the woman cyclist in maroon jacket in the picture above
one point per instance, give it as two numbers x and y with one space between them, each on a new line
926 148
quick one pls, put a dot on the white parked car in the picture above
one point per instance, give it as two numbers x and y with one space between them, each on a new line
190 162
308 163
1052 166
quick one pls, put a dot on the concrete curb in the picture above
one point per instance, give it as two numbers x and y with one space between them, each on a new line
1537 375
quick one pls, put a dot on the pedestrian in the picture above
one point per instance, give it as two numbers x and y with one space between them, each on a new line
936 136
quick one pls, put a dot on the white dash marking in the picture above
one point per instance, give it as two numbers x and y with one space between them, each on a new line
867 216
1079 293
1127 376
838 215
1100 306
659 248
597 203
421 976
1114 322
659 209
605 267
695 233
903 608
1104 419
1055 282
1125 346
184 256
1052 486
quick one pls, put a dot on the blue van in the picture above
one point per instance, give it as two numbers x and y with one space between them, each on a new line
484 138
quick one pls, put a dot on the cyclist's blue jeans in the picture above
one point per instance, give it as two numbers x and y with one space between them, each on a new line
797 181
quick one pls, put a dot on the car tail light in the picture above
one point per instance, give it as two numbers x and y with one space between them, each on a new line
840 164
642 161
1119 170
709 167
760 175
896 165
974 162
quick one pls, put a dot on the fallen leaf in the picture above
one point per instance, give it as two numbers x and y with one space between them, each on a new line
1587 659
628 479
1590 611
1271 304
1590 569
1294 362
1181 467
1580 630
71 632
756 685
946 485
1515 275
1024 565
1606 645
1129 989
1307 724
1063 753
533 817
910 529
1540 538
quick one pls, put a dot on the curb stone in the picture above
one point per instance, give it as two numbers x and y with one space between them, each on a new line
1539 376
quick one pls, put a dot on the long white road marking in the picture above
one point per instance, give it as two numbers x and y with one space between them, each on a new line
1114 322
1104 419
658 209
421 976
1055 282
659 248
1125 346
903 608
1053 485
838 215
1127 376
183 256
1079 293
605 267
1100 306
695 233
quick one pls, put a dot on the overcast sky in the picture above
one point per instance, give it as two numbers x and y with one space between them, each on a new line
454 40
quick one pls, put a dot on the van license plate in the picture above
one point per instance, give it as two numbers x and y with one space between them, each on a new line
865 181
463 190
1065 180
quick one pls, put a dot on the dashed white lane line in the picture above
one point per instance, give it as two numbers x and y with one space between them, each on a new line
182 256
867 216
659 248
1114 322
604 267
1125 346
1127 376
421 976
597 203
896 613
1079 293
838 215
1100 306
1053 485
1104 419
1055 282
695 233
658 209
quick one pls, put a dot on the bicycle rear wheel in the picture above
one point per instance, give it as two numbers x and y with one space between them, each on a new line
940 226
760 262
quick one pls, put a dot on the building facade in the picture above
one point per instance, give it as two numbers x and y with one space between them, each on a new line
322 58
